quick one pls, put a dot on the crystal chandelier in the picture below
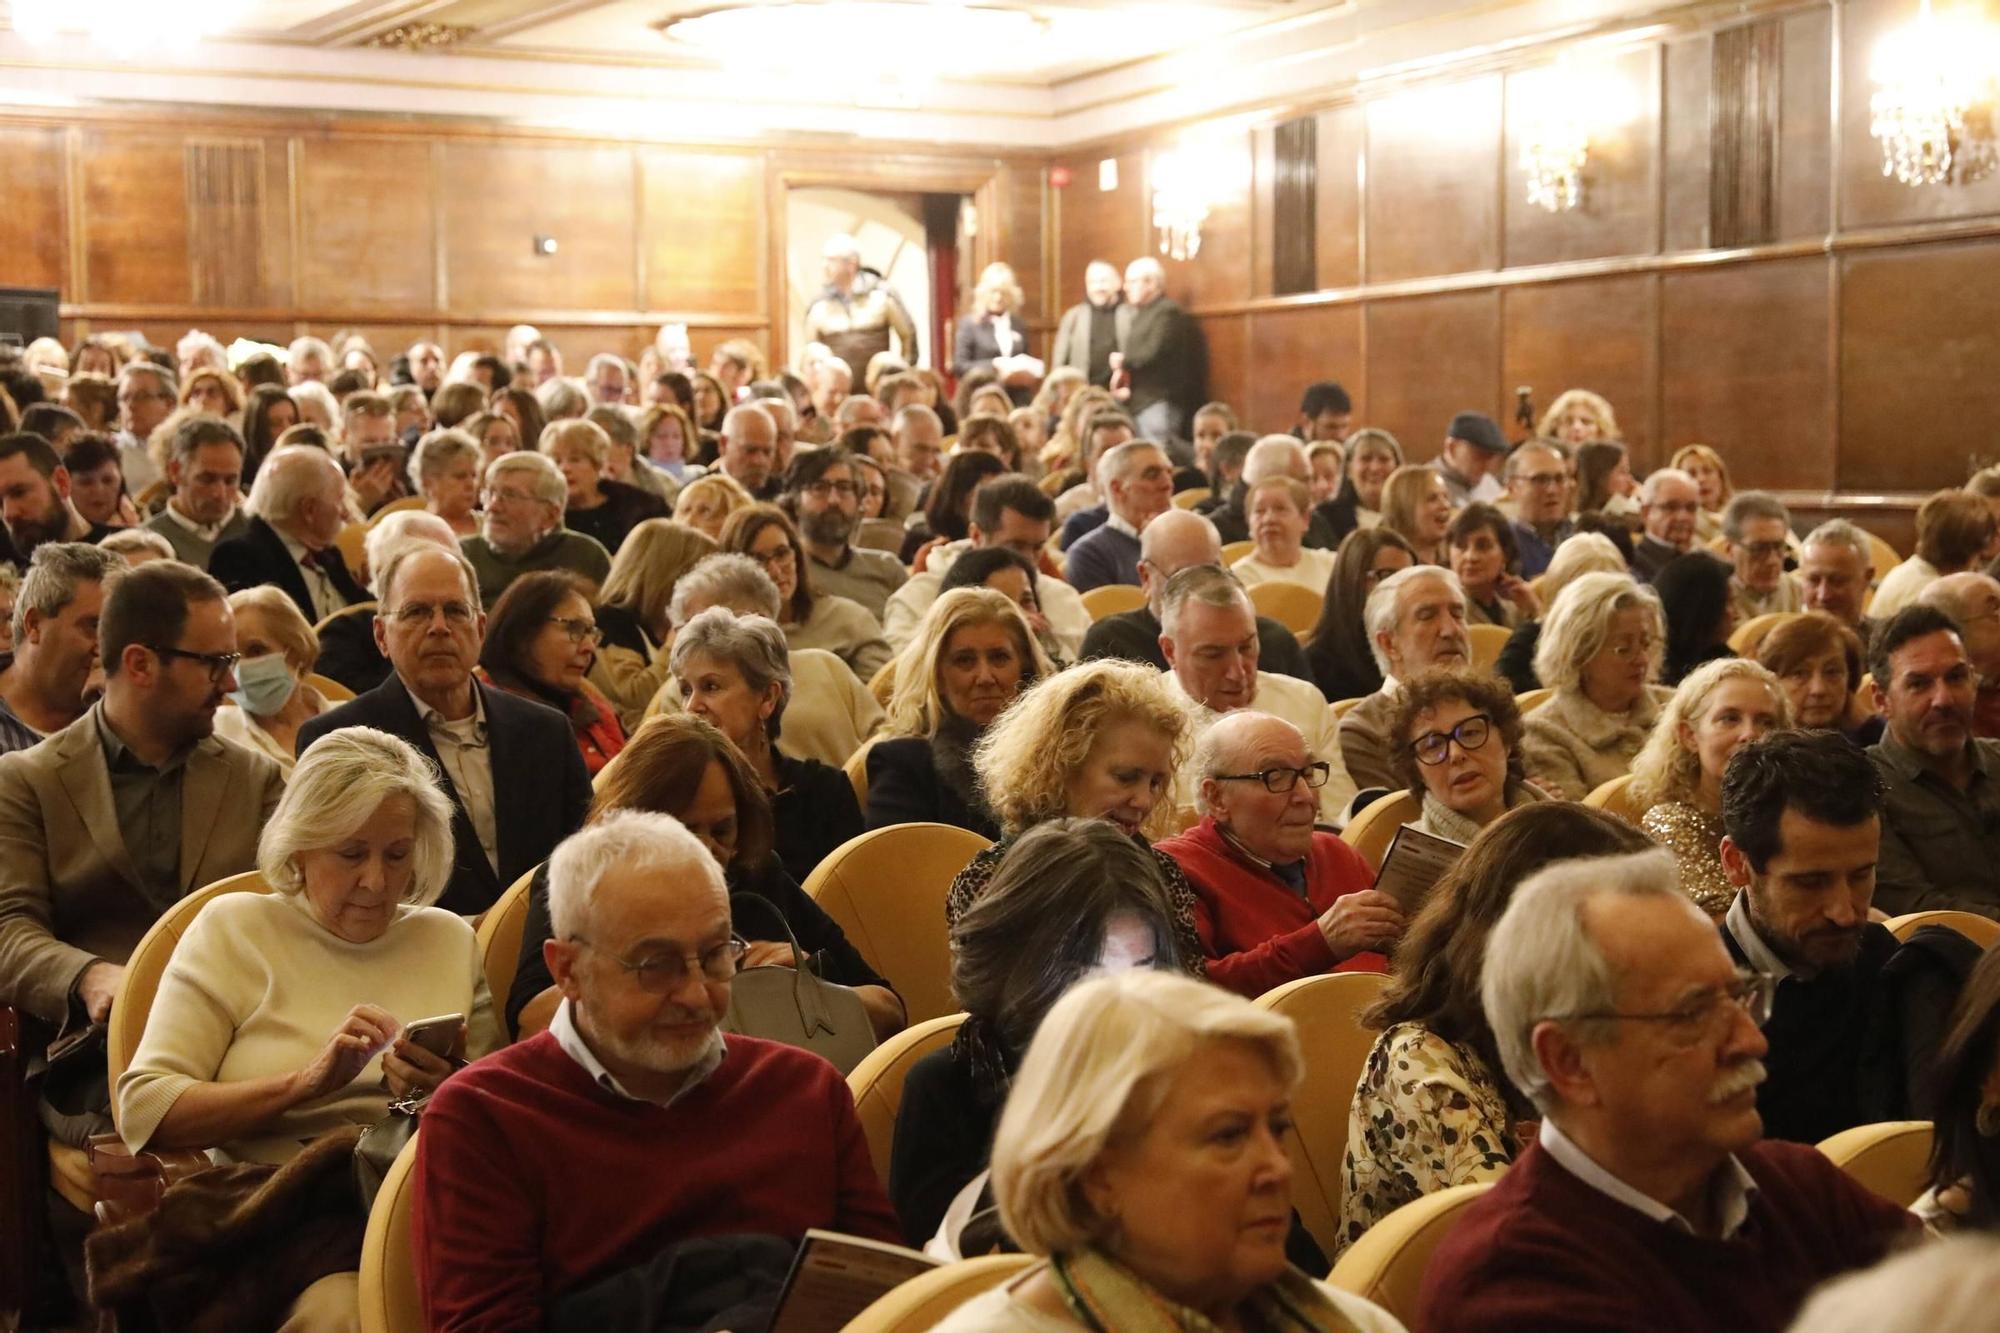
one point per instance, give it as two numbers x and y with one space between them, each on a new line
1932 106
1554 157
1188 181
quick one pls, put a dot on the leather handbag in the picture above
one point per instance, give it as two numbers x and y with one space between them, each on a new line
797 1006
383 1142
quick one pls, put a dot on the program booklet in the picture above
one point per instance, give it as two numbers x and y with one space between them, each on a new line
1413 865
836 1277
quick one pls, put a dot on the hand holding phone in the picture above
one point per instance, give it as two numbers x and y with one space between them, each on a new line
436 1035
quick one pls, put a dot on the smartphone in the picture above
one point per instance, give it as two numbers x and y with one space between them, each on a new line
436 1035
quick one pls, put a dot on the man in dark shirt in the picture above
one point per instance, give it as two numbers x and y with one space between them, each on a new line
1161 352
34 497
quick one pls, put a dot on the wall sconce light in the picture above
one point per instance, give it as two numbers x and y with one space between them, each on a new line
1188 181
544 246
1554 154
1932 109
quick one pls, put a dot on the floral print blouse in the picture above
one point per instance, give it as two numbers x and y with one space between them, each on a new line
1427 1115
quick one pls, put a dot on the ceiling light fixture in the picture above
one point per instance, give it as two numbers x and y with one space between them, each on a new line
129 28
894 41
1933 106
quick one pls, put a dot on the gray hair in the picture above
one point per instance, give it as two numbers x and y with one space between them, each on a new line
399 526
1122 461
126 541
1384 607
1745 506
561 399
725 579
55 572
338 784
603 359
1208 585
1542 964
616 423
288 478
1942 1286
628 840
1275 456
1579 622
732 421
548 485
913 412
754 645
439 450
1148 264
1839 532
1535 445
163 377
409 548
576 433
1580 553
1649 490
841 246
1220 747
310 346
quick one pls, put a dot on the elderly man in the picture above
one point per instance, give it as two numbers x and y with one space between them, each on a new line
1538 484
1669 504
1012 513
917 438
145 398
1647 1200
1756 525
632 1126
1835 571
1941 825
1208 634
1174 541
608 379
297 504
830 382
1139 487
1275 898
1474 450
1161 354
308 358
857 311
823 492
522 531
750 449
205 468
1973 600
376 461
1088 333
776 399
1325 413
1082 508
129 808
1272 456
510 765
56 615
1415 620
426 366
347 651
1803 814
35 500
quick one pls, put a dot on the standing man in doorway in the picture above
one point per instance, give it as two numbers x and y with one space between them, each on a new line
857 311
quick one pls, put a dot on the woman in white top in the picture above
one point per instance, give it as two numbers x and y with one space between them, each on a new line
1956 531
272 698
1280 509
1142 1155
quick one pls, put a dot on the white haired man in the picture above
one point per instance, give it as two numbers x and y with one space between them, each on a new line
1138 484
298 504
632 1127
522 531
1835 570
1669 507
750 449
1647 1201
1415 620
1161 355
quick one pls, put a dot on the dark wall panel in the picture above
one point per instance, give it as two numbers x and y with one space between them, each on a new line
1433 158
1598 334
33 224
1111 225
367 213
1291 349
702 235
498 197
1429 358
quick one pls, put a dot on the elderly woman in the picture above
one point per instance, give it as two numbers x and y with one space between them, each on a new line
735 673
272 697
1434 1107
541 637
1372 458
1580 554
840 625
668 440
947 512
1578 416
1711 476
1280 511
633 611
1343 665
1694 596
706 503
1455 741
1600 653
1484 556
1416 505
1818 663
444 470
682 766
1071 898
971 657
1677 778
595 505
1956 531
213 391
1142 1153
282 1016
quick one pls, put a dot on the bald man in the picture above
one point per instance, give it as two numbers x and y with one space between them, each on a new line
1271 456
1973 600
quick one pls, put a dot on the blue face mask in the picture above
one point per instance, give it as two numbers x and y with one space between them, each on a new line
263 685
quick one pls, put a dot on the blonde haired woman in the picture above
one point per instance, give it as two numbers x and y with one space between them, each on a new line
1417 507
706 503
213 391
1062 456
631 663
1711 475
1677 778
1583 553
1578 416
272 697
972 655
992 335
1109 1164
1602 646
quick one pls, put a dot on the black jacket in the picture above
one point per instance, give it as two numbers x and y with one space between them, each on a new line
259 557
541 790
347 652
1135 636
904 787
814 810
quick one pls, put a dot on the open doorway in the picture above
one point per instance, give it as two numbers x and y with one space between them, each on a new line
911 240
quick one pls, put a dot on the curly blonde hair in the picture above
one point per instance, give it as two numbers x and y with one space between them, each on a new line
1594 403
1665 769
1027 757
915 706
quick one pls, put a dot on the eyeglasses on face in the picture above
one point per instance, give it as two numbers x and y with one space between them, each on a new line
664 972
218 664
580 631
493 495
1434 747
456 614
1762 550
822 488
1278 779
1707 1015
775 557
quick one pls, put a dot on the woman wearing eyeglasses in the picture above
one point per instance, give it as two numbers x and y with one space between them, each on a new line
811 619
1600 651
541 639
1455 740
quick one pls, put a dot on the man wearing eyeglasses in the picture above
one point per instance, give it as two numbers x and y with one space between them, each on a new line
1276 899
1669 505
1647 1200
129 808
1756 526
1415 620
633 1126
1538 483
823 493
522 530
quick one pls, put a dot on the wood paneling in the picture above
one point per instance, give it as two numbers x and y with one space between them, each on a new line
1805 127
1342 132
1019 241
1745 368
1433 160
135 217
1228 338
367 225
1097 224
1868 198
1916 409
1619 213
1290 349
1599 334
1684 139
702 230
1428 359
33 225
498 197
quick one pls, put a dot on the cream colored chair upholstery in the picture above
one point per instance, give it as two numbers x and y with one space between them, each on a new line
1615 798
1892 1158
923 1302
1112 599
1531 698
1387 1264
1235 551
499 938
1981 930
390 1300
1487 641
1290 604
1371 831
1752 632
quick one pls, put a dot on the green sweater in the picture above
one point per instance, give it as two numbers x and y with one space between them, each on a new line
561 549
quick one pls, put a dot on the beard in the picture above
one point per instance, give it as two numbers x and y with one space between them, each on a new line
28 533
655 1054
829 527
1821 949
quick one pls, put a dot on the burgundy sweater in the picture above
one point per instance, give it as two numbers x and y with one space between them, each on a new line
1543 1251
1256 930
530 1179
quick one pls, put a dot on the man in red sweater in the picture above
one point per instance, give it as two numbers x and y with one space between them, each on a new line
1648 1201
631 1125
1275 898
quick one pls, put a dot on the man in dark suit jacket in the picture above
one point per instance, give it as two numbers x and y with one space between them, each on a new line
299 500
511 766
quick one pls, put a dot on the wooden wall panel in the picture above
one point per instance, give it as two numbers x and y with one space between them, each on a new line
1598 334
1433 158
1745 368
1342 132
1020 238
1291 349
1111 225
1428 359
367 214
703 233
1919 343
1684 138
498 197
33 225
1228 338
1619 213
1805 127
1868 198
135 218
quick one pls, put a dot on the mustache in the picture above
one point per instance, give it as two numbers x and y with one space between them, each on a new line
1737 1081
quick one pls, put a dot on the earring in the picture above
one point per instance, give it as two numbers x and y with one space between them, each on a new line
1987 1121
